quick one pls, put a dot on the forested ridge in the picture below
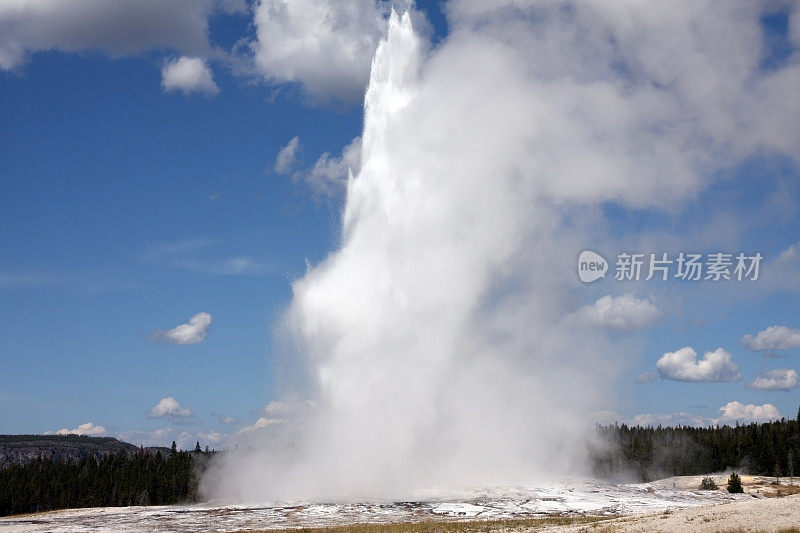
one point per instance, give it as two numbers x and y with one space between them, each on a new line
24 448
116 479
647 453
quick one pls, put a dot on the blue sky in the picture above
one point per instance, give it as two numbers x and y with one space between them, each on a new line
128 208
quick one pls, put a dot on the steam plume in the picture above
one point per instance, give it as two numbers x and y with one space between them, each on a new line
426 334
434 339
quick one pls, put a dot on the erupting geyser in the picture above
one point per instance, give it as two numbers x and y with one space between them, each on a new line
430 340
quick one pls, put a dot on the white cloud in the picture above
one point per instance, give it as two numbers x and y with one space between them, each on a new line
737 412
682 365
619 115
192 333
214 437
84 429
288 408
784 270
728 414
229 420
188 74
287 412
649 419
625 312
329 175
326 45
156 437
287 156
645 377
779 379
259 424
198 255
164 436
121 27
773 338
170 409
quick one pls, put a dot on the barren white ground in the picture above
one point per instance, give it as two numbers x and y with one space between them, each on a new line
688 509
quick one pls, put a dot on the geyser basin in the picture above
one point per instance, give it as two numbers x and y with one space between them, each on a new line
569 497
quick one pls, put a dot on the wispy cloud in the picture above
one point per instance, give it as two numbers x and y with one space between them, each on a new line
192 332
10 280
200 255
259 424
328 177
211 436
729 413
773 338
778 379
158 437
287 156
624 313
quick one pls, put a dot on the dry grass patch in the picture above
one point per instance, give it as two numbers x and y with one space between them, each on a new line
784 530
779 491
442 526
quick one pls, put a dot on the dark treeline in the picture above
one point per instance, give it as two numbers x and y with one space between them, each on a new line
768 449
146 478
117 479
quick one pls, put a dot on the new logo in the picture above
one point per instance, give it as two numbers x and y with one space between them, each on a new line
591 266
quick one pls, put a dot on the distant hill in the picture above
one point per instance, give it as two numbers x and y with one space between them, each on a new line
24 448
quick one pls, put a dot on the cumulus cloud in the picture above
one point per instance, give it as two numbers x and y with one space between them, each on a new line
170 409
84 429
773 338
325 45
191 333
682 365
779 379
287 156
645 377
621 108
737 412
228 420
118 28
624 313
188 75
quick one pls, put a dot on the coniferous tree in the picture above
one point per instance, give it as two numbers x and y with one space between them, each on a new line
708 484
735 484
